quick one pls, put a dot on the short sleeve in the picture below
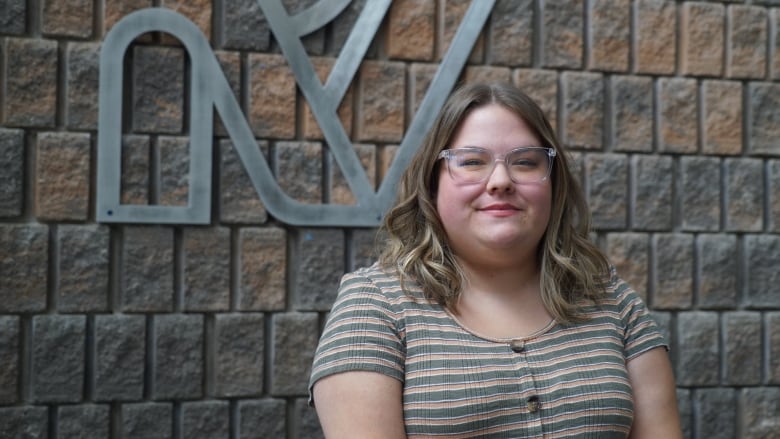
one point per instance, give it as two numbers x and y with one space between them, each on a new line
361 333
641 332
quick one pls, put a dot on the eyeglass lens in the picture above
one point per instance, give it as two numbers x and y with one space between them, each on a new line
474 165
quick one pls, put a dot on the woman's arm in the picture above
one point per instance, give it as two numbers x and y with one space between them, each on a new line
655 400
360 405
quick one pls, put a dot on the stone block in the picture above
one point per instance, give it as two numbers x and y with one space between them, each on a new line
30 92
307 421
722 130
206 261
239 200
700 196
774 43
261 418
511 33
420 77
263 253
698 356
83 69
115 10
197 11
678 120
715 416
309 125
772 325
630 254
174 168
62 177
632 113
664 322
381 102
562 38
68 18
120 352
13 17
702 38
744 194
134 188
385 159
158 89
299 170
653 180
244 26
83 420
57 358
747 45
364 247
83 268
295 337
411 30
320 254
205 419
10 344
607 183
24 265
239 357
147 269
541 86
583 110
685 409
178 351
313 43
230 62
341 27
774 195
610 32
451 16
25 422
11 172
718 270
656 36
673 271
763 278
742 343
272 90
146 420
340 193
763 122
760 412
487 74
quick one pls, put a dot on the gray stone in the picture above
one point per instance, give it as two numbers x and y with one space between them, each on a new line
632 115
263 274
24 263
83 421
158 89
30 83
239 362
239 200
178 350
262 418
773 348
57 371
135 169
320 253
678 115
28 422
583 117
607 183
364 247
83 281
147 420
300 170
120 354
763 277
13 17
82 85
774 195
11 172
206 282
306 420
742 345
685 408
745 195
673 272
9 359
511 33
630 253
174 170
700 193
147 269
715 416
760 409
763 122
718 270
698 359
245 27
562 41
205 419
653 176
295 337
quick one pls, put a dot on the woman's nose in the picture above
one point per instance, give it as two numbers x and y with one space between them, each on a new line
499 179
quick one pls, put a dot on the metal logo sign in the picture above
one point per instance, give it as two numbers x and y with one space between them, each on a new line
209 91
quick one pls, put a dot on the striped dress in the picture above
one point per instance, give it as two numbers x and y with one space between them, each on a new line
563 381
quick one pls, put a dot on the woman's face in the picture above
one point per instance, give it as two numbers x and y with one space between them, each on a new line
496 220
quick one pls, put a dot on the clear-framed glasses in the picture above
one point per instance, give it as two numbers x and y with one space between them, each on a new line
473 164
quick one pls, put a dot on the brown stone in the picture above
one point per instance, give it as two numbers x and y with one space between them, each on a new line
62 176
702 33
340 192
610 32
454 11
677 99
541 86
310 126
656 36
271 96
562 41
263 265
382 102
722 117
410 30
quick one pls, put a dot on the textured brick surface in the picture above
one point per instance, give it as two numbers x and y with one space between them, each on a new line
716 416
653 179
309 125
206 281
742 346
62 176
299 173
262 415
10 342
239 200
197 11
174 169
773 341
774 195
632 113
685 408
147 271
178 351
82 85
83 270
542 87
511 33
420 77
230 63
562 40
314 43
320 256
57 357
718 270
700 193
295 339
205 419
240 341
629 253
674 270
487 74
30 94
271 111
147 419
760 409
11 172
410 30
13 17
722 130
364 246
678 128
135 169
764 120
84 420
747 41
158 89
607 190
698 353
763 258
656 36
774 41
120 352
23 262
745 194
263 253
451 16
609 35
25 422
340 192
244 26
583 102
308 423
67 18
381 102
115 10
702 34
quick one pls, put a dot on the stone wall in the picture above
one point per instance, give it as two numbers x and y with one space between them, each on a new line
671 110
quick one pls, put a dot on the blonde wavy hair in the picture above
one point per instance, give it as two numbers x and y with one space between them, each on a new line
415 244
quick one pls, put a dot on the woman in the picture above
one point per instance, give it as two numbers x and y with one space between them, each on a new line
489 313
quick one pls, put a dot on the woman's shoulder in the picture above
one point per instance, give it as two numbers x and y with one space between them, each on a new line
382 283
